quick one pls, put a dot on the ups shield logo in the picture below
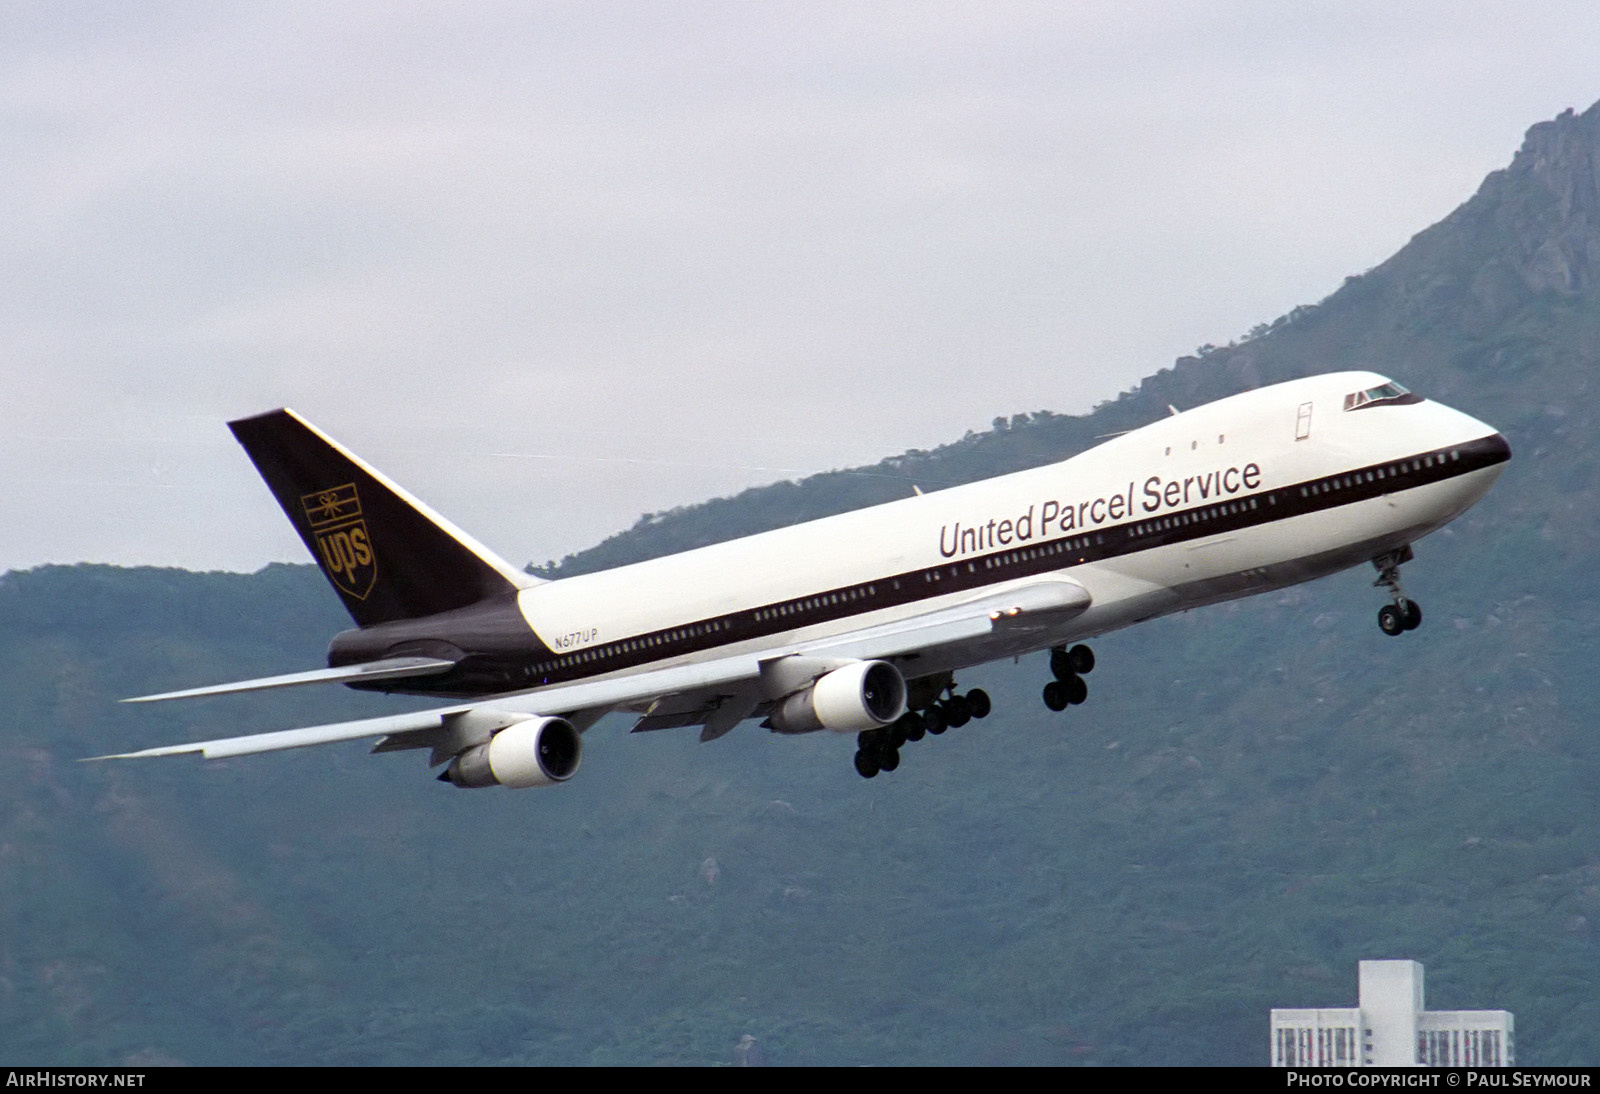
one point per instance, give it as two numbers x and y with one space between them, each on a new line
344 549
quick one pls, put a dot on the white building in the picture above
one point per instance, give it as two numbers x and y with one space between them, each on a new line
1391 1028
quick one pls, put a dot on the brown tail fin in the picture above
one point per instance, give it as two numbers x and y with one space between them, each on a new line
387 555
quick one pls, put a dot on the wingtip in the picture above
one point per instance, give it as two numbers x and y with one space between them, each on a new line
143 754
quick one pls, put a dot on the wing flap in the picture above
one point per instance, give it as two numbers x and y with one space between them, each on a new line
1036 606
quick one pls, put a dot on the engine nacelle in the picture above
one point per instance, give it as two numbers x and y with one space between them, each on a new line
532 752
861 695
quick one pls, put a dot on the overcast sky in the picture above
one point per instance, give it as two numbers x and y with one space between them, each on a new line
554 265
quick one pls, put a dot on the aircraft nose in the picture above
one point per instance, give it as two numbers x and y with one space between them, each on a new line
1486 444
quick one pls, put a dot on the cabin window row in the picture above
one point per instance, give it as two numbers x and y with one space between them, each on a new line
813 603
1377 474
634 645
1028 554
1194 516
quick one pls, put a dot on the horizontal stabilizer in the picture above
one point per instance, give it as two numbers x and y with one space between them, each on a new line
388 669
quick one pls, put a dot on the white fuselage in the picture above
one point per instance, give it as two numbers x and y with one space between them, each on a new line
1253 492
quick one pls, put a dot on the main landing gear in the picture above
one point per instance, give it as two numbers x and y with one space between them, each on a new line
1068 667
879 749
1403 614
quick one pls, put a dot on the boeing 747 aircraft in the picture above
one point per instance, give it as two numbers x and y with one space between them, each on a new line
856 623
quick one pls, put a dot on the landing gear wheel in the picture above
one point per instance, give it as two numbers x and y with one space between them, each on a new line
1390 621
866 764
1082 659
915 727
935 719
978 701
1077 690
957 711
889 760
1404 614
1065 663
1055 695
1410 614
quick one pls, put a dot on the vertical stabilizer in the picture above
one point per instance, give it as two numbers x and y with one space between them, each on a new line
387 555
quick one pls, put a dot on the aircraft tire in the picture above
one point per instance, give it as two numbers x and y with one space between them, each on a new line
1077 690
957 711
978 701
1081 658
915 727
1055 695
936 720
1390 621
1411 614
889 760
866 764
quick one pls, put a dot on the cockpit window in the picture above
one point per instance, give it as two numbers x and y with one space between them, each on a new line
1390 392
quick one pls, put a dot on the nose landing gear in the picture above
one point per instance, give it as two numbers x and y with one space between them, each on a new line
1404 614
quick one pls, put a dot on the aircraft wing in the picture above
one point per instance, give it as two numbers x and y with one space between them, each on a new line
716 693
299 738
388 669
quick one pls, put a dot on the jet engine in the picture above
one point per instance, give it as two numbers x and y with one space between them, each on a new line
532 752
861 695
